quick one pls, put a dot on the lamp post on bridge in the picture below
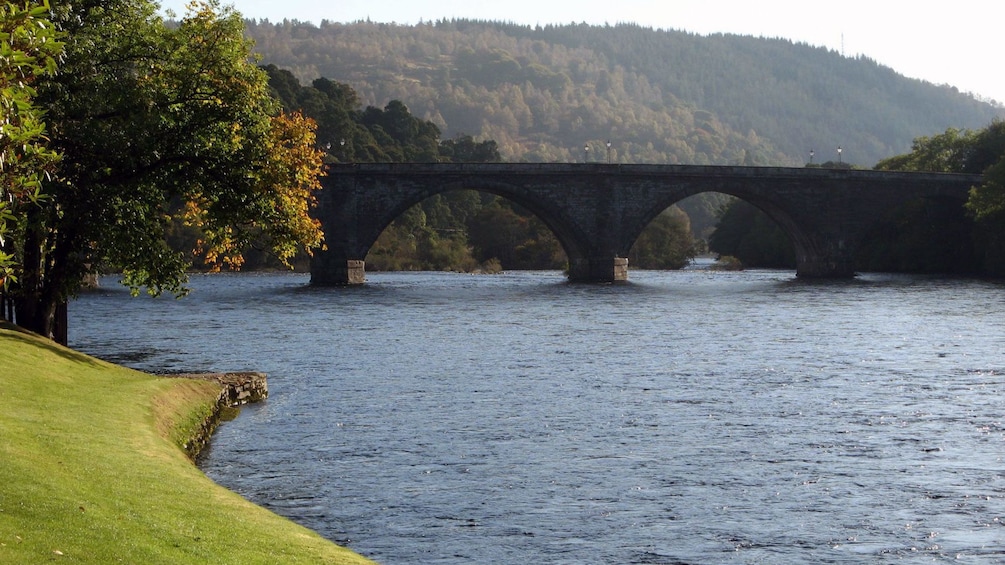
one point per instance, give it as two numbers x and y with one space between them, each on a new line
586 153
608 151
839 155
811 157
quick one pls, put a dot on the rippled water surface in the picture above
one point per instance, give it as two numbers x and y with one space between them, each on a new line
686 417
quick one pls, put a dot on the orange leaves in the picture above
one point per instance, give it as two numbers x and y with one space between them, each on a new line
278 209
289 181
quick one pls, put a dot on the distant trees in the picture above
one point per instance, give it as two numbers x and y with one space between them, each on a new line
464 149
667 243
537 98
515 238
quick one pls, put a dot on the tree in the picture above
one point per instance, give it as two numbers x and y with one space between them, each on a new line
942 153
955 237
747 233
411 138
667 243
29 47
987 201
464 149
156 123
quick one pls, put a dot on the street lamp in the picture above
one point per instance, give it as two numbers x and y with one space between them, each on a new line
839 155
811 156
586 153
608 151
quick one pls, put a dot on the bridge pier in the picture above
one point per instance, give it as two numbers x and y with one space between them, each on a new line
598 270
825 269
825 256
328 271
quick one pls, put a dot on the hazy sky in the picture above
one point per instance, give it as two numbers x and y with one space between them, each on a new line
956 42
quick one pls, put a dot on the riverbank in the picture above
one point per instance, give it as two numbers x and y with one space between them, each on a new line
92 470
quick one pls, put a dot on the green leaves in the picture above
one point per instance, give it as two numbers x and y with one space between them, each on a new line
29 48
963 151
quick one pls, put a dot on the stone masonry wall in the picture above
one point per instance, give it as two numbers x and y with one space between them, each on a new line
237 389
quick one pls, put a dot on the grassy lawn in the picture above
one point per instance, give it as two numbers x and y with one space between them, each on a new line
90 471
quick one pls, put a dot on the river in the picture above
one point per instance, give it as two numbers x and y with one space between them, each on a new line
686 417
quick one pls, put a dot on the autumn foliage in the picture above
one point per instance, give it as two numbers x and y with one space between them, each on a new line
284 196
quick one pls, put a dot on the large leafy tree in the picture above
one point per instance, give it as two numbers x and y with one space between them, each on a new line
963 151
158 123
29 47
987 201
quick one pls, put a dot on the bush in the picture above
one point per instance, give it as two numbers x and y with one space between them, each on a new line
727 263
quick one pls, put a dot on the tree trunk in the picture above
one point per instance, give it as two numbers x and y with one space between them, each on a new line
40 316
39 306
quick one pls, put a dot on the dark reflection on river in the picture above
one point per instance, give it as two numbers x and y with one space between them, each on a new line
686 417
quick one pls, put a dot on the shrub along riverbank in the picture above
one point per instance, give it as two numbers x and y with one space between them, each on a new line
91 470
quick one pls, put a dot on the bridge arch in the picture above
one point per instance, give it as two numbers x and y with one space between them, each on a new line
564 231
802 239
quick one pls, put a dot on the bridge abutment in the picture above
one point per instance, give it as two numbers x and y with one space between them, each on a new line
598 270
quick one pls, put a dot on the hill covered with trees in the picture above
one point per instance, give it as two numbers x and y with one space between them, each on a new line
660 96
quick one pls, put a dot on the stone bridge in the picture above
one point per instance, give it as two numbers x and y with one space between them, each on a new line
597 211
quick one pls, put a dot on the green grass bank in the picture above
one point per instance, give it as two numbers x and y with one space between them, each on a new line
91 470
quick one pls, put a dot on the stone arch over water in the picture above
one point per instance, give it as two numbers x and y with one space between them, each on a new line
598 211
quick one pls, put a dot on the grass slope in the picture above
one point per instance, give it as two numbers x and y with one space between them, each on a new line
90 471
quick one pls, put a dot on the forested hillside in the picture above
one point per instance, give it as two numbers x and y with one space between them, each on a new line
547 93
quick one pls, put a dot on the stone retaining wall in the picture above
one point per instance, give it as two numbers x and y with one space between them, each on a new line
237 389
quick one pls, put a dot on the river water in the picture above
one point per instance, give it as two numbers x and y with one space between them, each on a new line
686 417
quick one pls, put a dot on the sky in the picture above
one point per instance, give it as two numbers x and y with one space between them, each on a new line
954 42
